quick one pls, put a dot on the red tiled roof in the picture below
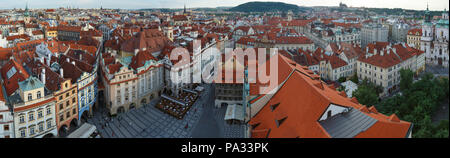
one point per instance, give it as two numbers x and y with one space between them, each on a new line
52 79
11 84
336 62
415 32
301 120
151 39
22 36
293 40
113 68
179 18
246 41
69 28
5 53
140 58
389 57
299 22
37 32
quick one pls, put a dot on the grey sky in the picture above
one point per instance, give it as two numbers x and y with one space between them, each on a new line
136 4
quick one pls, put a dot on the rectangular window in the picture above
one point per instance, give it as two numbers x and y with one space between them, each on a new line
30 117
41 127
49 124
22 132
22 119
40 115
49 111
32 130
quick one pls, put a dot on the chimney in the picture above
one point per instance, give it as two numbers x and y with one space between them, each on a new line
394 50
61 72
68 60
43 76
367 49
136 51
73 63
374 51
42 60
49 58
81 57
382 52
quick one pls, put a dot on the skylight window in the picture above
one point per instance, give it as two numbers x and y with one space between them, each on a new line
11 72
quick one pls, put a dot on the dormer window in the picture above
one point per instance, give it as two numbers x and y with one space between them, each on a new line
273 107
255 125
30 96
39 94
279 122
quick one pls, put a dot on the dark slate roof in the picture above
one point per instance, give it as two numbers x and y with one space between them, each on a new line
348 124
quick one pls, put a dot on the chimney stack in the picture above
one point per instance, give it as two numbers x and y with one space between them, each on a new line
61 72
68 60
43 76
73 63
49 58
374 51
136 51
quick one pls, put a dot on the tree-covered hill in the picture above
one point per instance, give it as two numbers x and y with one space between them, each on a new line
265 7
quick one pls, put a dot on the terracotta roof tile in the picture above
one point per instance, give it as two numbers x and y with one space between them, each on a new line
302 119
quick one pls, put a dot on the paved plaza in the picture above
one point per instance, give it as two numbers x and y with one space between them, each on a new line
202 121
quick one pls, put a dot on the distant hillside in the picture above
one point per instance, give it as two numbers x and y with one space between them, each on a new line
265 7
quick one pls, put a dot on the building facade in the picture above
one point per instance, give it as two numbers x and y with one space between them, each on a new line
373 33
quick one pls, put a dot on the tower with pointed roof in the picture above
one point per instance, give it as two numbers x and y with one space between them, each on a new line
26 13
427 35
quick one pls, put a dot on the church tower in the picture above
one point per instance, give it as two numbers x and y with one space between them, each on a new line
26 14
427 36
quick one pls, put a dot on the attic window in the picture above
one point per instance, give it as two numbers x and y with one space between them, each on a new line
11 72
274 106
279 122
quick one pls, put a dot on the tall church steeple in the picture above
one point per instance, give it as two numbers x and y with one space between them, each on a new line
427 15
26 13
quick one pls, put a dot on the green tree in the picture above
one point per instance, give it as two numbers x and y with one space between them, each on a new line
354 78
406 79
342 79
366 95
